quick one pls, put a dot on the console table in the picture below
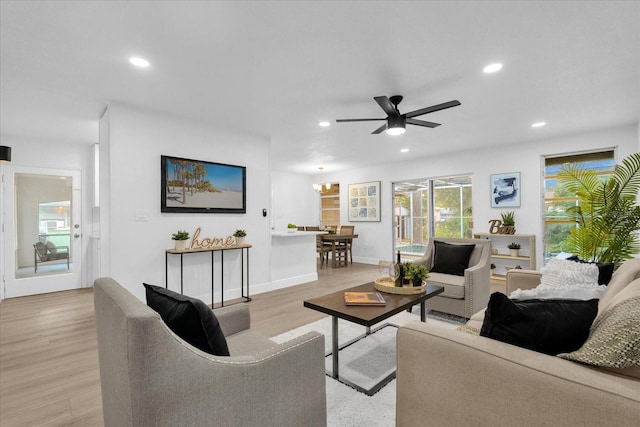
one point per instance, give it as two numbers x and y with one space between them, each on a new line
242 248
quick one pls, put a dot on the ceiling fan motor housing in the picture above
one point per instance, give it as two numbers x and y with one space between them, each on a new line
396 121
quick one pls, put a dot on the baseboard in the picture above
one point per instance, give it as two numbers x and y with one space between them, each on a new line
361 260
283 283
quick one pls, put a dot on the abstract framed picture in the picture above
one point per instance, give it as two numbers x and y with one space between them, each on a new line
505 190
199 186
364 202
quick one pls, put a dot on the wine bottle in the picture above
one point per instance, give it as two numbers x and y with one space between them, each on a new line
399 264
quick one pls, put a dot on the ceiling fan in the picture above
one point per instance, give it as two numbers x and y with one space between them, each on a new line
395 121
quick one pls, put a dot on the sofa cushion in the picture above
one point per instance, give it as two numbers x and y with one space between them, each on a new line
546 326
614 339
625 274
51 247
451 259
189 318
41 248
453 285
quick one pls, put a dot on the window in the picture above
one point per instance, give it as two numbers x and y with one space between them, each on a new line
439 207
557 199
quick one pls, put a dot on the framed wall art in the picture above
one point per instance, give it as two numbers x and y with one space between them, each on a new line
364 201
505 190
199 186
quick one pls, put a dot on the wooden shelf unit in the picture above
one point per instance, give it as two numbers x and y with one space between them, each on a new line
503 261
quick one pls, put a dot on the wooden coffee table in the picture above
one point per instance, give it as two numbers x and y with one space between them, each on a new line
333 305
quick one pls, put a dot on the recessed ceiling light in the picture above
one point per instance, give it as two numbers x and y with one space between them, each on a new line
324 124
139 62
538 124
404 150
492 68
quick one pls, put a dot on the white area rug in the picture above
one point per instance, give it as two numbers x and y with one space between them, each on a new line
364 363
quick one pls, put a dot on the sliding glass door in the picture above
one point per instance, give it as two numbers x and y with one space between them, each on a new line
439 207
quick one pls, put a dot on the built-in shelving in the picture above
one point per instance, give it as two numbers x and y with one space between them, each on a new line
526 258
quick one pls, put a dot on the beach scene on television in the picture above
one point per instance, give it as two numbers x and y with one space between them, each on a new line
195 184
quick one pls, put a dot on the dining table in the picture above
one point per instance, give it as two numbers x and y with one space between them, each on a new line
339 247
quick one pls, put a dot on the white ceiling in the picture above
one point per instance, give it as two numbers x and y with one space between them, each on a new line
276 69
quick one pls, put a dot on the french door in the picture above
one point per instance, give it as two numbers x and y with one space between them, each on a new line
43 236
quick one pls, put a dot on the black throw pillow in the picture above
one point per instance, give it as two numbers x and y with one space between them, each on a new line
451 259
189 318
605 269
545 326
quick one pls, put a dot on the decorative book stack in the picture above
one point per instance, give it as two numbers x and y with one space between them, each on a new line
364 298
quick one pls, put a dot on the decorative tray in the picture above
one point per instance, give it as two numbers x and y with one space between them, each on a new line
385 284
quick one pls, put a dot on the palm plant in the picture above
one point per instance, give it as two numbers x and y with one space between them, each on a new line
607 216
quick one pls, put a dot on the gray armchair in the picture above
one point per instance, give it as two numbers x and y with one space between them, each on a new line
151 377
463 295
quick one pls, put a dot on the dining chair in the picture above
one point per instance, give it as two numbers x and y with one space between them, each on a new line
348 229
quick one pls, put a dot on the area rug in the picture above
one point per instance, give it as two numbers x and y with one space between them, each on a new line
365 363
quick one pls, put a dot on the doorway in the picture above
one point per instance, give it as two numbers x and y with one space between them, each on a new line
43 237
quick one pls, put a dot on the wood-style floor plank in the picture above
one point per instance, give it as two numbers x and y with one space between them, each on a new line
49 373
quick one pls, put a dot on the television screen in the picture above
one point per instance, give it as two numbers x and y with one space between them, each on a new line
200 186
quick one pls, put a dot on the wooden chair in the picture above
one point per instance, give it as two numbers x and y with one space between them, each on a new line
320 248
348 229
45 252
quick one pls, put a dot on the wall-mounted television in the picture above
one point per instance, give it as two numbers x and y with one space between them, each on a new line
202 187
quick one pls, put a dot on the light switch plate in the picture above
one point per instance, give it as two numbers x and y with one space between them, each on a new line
142 215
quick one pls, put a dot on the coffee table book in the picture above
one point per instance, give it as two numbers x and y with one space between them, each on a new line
364 298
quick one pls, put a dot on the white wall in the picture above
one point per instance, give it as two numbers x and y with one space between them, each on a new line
376 238
293 200
136 249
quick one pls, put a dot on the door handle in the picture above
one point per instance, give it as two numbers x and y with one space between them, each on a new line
76 235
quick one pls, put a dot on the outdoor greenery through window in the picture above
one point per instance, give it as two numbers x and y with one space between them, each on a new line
557 223
439 207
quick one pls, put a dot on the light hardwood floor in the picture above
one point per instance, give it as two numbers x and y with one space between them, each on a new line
49 374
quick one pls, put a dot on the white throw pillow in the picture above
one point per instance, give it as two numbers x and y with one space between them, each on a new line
561 273
563 279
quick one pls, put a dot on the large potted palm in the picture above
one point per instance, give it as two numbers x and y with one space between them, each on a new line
607 216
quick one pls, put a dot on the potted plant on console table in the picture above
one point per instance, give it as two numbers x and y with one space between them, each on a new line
240 234
181 238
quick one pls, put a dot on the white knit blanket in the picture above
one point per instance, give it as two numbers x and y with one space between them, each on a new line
563 279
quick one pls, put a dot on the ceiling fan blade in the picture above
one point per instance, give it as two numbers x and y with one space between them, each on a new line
386 105
357 120
422 123
380 129
433 108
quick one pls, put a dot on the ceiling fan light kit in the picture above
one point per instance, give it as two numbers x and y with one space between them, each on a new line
396 125
396 122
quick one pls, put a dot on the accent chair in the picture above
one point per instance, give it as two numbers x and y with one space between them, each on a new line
466 287
151 377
